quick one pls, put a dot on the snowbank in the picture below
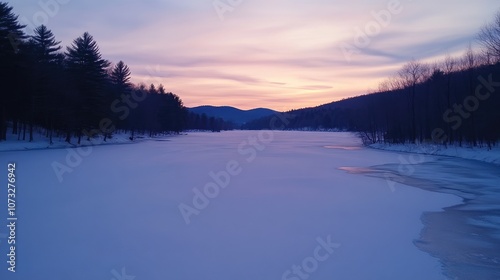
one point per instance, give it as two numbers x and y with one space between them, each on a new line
475 153
41 142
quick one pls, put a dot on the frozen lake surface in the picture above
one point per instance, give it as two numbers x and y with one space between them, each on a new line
248 205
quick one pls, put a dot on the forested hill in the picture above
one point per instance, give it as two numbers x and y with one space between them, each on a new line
233 115
453 103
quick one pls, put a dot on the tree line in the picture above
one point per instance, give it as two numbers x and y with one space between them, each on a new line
74 93
453 101
205 123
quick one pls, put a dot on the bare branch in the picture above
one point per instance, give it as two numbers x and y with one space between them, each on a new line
489 38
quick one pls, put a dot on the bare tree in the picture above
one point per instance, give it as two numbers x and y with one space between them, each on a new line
469 64
384 86
413 73
470 60
392 83
484 59
449 64
435 67
489 38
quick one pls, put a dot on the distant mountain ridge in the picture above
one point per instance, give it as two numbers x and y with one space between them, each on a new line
232 114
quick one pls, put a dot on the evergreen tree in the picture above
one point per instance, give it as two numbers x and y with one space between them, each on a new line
47 61
120 77
11 37
152 89
11 32
46 46
120 80
89 72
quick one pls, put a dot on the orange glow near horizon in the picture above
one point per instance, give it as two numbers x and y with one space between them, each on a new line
282 54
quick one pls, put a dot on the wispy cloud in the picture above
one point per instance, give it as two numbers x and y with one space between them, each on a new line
282 54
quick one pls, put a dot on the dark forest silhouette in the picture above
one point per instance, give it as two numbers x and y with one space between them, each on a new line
77 93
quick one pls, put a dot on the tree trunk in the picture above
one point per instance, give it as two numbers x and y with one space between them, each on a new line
32 117
15 129
450 130
68 137
3 124
31 132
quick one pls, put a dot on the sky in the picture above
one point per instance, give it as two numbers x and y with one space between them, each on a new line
278 54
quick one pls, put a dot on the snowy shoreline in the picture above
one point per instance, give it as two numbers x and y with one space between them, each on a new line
482 154
41 143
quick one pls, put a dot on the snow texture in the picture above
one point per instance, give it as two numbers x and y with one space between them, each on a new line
116 212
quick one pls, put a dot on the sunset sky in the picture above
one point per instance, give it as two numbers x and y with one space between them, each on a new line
276 54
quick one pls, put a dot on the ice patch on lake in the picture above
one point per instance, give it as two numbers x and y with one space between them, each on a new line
466 237
349 148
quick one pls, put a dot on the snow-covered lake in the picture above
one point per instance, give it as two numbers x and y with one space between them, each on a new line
235 205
